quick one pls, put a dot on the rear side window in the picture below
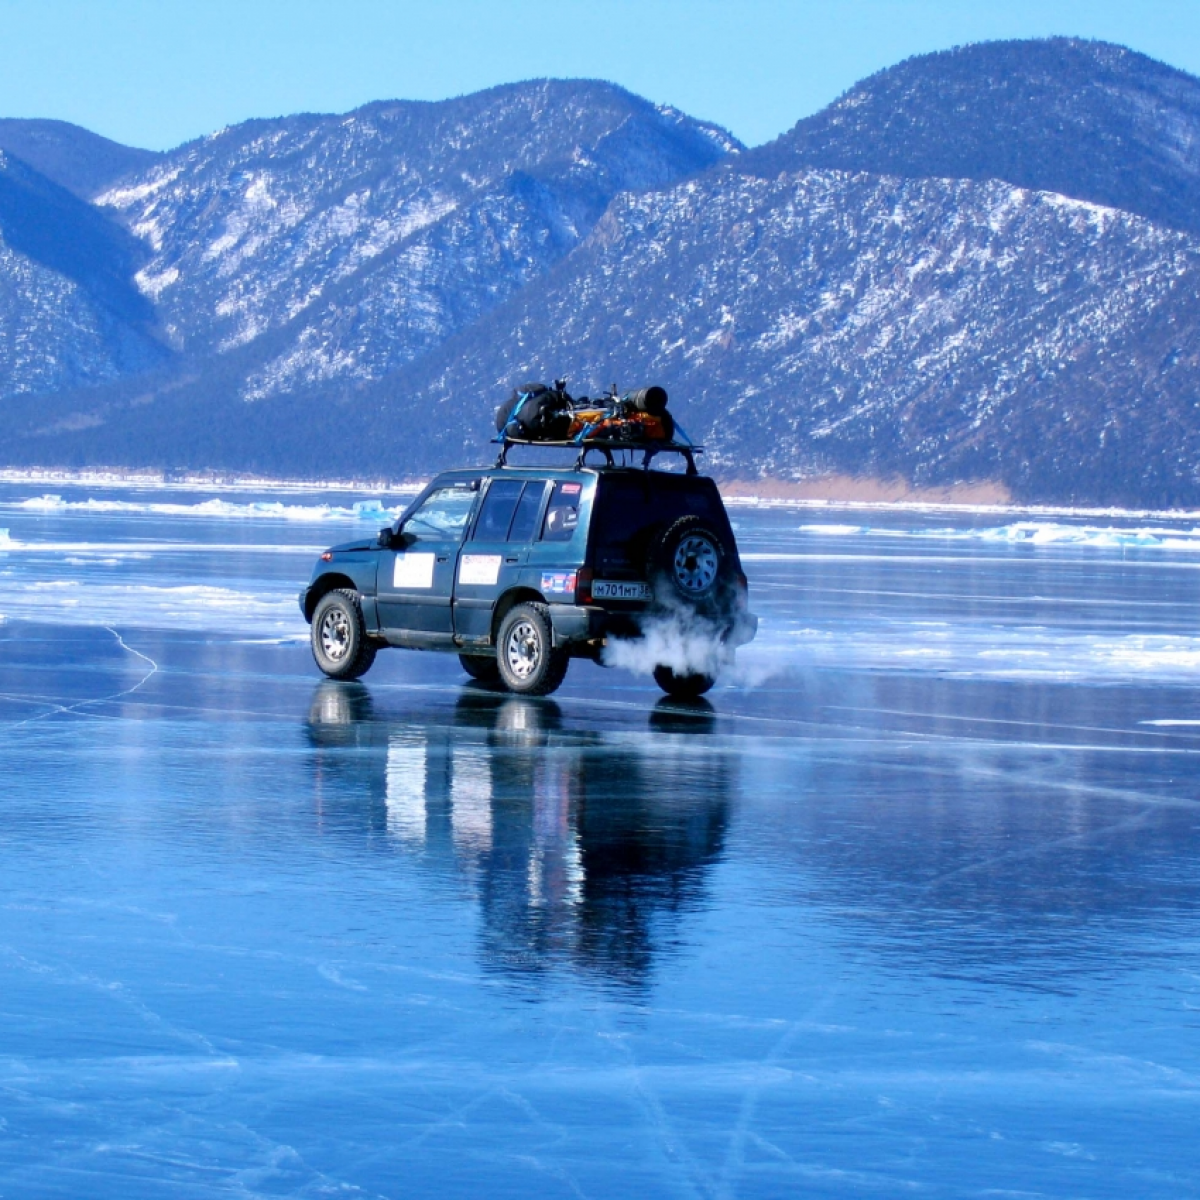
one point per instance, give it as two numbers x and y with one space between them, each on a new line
562 516
524 522
510 511
497 512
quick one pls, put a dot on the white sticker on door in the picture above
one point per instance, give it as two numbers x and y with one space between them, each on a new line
413 571
479 568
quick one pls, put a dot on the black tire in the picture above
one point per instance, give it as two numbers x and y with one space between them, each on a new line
481 667
689 685
529 664
688 564
338 636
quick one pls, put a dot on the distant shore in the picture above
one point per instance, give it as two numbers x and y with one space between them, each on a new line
831 491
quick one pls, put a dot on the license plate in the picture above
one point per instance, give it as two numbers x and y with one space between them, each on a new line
617 589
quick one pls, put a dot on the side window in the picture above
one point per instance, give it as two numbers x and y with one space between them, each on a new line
443 515
497 512
524 523
562 517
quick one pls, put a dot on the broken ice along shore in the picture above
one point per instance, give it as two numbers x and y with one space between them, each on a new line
841 493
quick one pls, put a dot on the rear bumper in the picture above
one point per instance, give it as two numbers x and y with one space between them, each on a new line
573 624
744 629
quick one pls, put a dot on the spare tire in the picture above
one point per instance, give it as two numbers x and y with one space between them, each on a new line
689 564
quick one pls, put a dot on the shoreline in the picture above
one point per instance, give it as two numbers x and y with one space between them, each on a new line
832 493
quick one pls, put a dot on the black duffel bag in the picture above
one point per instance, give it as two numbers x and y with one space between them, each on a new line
535 413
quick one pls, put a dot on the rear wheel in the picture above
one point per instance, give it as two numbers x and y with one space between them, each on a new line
481 667
683 685
528 662
338 636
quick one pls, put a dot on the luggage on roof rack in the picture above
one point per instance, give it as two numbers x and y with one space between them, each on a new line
537 415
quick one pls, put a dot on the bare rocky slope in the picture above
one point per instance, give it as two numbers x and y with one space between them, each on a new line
977 266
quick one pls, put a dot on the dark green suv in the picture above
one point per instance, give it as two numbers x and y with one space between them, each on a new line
519 570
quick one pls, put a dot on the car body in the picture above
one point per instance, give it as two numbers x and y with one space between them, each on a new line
586 554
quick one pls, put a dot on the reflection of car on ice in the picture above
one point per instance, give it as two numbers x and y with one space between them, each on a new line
575 851
518 570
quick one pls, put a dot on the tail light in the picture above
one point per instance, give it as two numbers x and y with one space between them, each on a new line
583 585
327 556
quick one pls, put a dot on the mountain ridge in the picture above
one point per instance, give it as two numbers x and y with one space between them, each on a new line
871 293
1012 110
73 157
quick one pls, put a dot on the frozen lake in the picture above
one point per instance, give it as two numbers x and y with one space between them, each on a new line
911 907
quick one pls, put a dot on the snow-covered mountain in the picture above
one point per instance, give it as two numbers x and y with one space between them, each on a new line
76 159
977 266
1088 119
70 314
371 237
822 322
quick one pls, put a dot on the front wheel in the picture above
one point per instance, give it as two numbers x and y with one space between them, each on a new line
529 664
683 685
338 636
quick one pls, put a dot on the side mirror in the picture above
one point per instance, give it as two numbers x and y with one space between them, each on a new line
395 539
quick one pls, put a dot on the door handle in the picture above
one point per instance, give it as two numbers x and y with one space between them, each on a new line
443 558
512 560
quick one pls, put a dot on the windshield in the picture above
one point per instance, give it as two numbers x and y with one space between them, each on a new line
442 515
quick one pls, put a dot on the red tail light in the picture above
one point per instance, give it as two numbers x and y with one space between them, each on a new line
583 585
327 556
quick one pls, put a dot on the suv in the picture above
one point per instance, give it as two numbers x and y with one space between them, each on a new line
519 570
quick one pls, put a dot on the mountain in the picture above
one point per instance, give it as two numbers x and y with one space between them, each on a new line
361 240
1087 119
978 266
70 313
819 322
76 159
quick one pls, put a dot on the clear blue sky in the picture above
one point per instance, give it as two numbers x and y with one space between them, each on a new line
157 72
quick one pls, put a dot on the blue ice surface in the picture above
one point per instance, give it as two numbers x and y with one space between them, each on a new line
910 907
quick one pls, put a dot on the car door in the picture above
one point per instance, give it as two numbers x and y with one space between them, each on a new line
415 585
497 552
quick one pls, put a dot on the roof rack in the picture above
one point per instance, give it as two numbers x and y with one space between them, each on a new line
606 446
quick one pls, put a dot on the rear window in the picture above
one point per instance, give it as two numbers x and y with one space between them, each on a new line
628 506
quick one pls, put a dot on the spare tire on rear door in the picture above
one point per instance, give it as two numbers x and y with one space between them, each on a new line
689 565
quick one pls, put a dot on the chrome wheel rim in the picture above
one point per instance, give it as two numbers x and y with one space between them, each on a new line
523 649
335 635
696 564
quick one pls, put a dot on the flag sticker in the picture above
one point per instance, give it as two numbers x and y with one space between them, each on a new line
558 582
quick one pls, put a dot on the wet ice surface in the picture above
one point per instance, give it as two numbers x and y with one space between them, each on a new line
911 908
